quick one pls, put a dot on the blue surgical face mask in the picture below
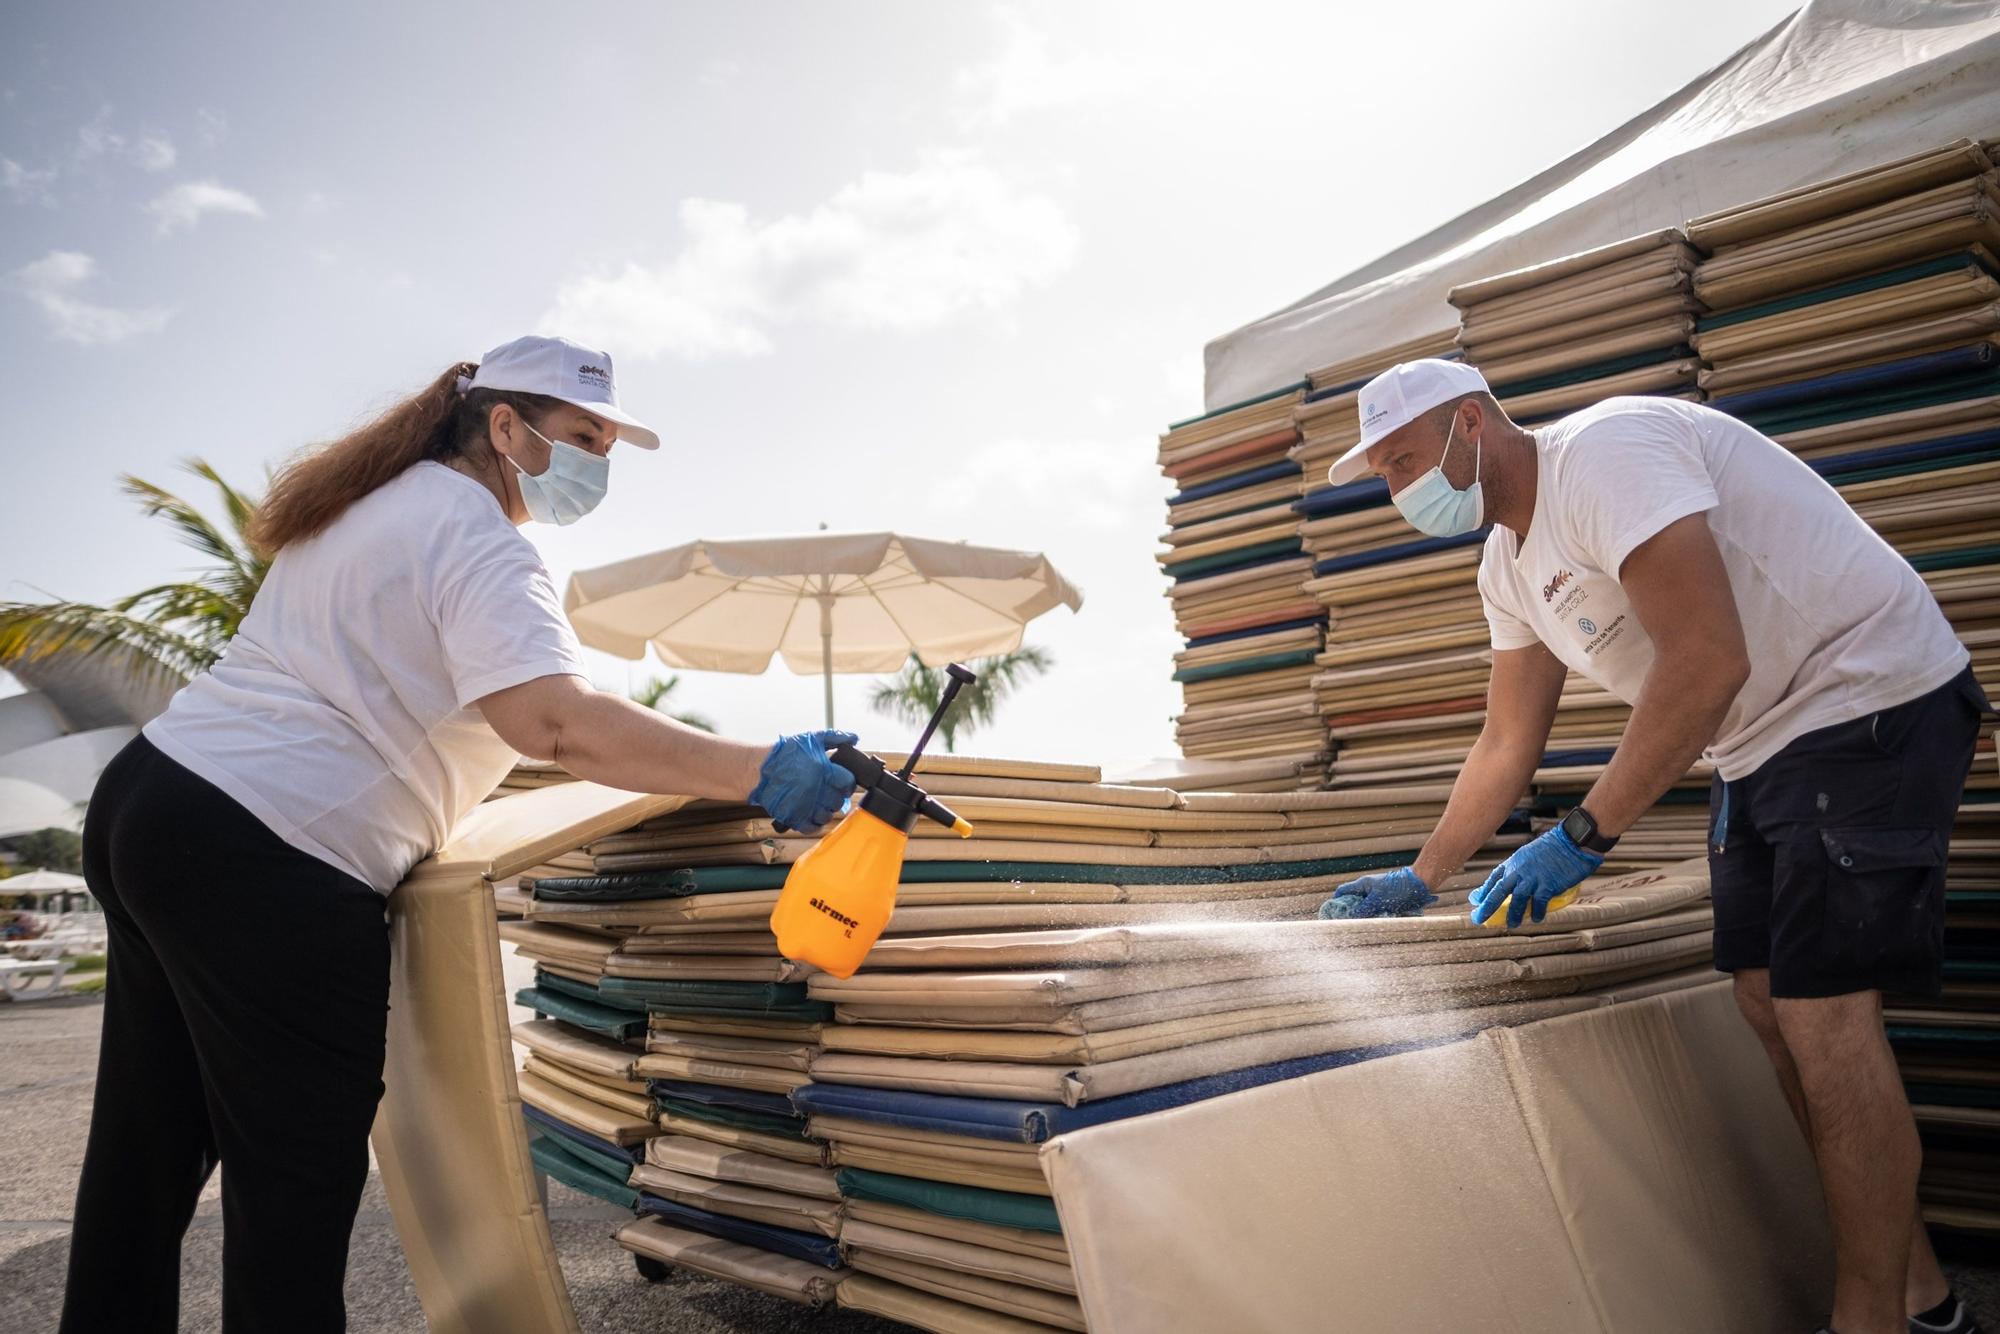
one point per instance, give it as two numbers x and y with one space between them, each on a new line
1436 507
569 487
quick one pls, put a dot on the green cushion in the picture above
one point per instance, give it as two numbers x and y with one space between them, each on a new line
1874 282
1292 388
1596 370
622 1025
578 1175
595 1159
583 991
1264 662
1952 1095
1853 407
1283 546
973 1203
763 1122
1908 469
1955 560
748 995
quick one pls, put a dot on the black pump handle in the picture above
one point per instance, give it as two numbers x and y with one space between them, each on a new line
867 770
960 675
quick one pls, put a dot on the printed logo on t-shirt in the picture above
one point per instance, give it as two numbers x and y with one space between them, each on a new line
1598 640
1554 586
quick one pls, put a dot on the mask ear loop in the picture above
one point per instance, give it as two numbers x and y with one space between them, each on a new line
1478 453
1478 449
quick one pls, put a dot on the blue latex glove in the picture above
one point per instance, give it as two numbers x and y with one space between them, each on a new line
1397 893
799 785
1536 873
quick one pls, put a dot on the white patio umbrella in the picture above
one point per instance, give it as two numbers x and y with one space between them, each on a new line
828 602
43 882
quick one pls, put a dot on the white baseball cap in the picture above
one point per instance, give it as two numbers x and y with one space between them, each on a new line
1397 397
558 368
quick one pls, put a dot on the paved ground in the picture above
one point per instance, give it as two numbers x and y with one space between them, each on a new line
46 1074
48 1056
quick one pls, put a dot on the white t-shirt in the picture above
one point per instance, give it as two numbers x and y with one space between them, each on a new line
339 713
1837 624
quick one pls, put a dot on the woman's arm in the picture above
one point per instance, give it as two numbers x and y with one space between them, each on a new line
601 737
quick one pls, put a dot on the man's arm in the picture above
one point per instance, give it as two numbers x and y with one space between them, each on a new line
1520 706
1679 589
606 739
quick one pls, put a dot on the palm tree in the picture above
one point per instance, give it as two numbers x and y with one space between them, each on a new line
179 628
653 695
914 692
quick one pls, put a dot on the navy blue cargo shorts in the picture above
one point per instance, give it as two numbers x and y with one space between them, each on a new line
1827 863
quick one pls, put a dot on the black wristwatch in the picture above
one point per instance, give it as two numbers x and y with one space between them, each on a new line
1581 826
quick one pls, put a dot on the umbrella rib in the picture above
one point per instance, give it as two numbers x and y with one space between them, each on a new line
725 591
717 595
977 602
907 636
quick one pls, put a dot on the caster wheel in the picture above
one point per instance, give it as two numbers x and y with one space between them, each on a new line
653 1271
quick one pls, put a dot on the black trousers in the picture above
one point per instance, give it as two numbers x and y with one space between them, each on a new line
245 1011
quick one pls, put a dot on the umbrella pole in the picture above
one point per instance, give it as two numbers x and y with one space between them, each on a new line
826 652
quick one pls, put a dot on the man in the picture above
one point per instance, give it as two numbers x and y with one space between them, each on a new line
1699 571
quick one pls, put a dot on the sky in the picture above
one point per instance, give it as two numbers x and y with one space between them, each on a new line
941 268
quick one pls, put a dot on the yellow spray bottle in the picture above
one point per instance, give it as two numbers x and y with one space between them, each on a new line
839 895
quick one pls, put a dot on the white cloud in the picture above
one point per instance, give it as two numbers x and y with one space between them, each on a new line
210 127
98 139
151 151
187 203
720 73
899 251
1029 75
26 184
51 283
154 152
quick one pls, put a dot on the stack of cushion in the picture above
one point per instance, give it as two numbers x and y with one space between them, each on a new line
1233 552
1096 951
1562 335
589 1111
1858 322
954 1059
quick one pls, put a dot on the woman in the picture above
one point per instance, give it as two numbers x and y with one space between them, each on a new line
406 643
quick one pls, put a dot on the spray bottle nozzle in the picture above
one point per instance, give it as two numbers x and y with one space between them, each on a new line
892 797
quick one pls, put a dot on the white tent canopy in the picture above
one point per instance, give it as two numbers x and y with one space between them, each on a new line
1840 85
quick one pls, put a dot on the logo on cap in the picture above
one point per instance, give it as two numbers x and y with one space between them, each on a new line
595 375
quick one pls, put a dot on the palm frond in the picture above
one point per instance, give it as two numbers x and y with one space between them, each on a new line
180 628
30 631
196 529
241 570
239 507
913 693
213 614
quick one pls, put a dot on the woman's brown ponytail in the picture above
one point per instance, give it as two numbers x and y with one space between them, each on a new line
439 422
